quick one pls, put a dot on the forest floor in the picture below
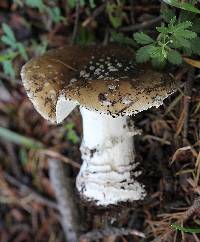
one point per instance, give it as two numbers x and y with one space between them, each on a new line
168 146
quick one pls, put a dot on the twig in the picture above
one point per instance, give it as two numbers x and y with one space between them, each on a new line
96 12
27 190
98 234
145 24
76 21
64 64
195 207
106 37
187 100
56 155
66 201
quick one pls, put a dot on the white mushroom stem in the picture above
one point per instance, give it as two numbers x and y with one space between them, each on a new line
107 174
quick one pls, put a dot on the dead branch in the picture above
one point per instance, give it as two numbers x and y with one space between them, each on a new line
143 25
75 29
55 155
66 201
96 12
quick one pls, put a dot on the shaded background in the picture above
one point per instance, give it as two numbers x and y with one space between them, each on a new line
168 147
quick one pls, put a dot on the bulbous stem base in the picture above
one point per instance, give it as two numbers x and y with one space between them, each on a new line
107 174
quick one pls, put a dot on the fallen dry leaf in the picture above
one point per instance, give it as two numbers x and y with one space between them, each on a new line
192 62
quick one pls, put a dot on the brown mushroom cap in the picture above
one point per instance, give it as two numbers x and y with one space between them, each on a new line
130 93
45 77
103 79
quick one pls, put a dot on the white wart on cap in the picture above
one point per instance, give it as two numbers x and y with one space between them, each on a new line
116 86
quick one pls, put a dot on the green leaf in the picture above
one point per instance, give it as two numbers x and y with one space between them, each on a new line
8 68
115 14
186 230
8 32
10 40
196 25
71 134
174 57
184 43
168 14
19 139
179 34
143 38
162 29
36 4
144 53
92 3
55 14
22 51
195 45
71 3
82 3
182 5
156 63
187 34
6 40
39 48
172 22
158 53
189 7
116 22
122 39
186 16
8 56
179 27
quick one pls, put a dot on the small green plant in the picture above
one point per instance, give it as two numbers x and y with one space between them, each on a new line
6 61
55 14
71 134
14 48
53 11
8 38
39 48
172 39
175 37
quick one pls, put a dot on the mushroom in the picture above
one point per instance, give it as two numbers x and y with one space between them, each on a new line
109 87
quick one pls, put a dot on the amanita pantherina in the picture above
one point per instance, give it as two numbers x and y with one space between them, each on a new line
109 87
